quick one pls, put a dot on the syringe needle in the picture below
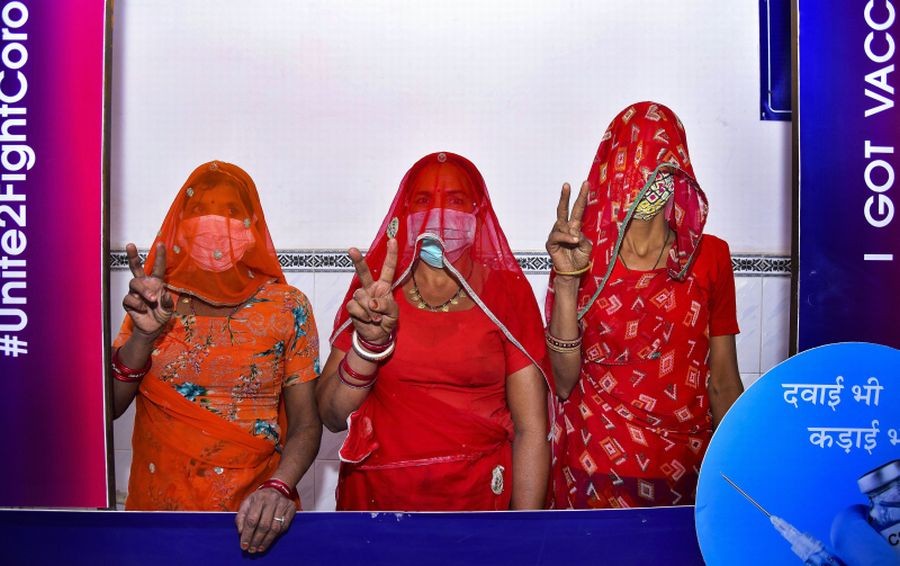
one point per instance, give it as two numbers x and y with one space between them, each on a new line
744 493
807 548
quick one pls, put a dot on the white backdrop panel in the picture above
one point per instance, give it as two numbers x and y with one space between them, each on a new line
327 103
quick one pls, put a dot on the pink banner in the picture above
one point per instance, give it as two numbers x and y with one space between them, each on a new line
51 254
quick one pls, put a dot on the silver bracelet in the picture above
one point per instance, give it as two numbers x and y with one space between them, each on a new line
368 355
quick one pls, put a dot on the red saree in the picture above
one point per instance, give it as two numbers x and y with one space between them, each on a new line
435 432
634 430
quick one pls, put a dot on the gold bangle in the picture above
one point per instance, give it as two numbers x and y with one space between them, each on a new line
581 271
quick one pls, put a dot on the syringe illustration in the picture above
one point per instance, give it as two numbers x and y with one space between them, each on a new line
810 550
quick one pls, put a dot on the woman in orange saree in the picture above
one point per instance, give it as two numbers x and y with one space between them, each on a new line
228 354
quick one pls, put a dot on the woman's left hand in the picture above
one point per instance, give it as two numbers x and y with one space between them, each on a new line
262 517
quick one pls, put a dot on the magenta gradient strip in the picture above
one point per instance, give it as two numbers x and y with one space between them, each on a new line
52 411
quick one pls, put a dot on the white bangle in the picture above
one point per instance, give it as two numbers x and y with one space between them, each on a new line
369 355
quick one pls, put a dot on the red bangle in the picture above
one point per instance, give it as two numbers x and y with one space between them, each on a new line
281 487
377 348
124 373
366 380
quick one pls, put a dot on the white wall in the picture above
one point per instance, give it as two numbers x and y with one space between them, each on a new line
328 103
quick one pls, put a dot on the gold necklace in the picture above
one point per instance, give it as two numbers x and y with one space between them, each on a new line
423 304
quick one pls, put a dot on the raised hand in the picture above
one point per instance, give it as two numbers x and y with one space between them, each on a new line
372 309
148 302
569 250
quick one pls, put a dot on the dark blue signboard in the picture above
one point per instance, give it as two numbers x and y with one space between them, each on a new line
775 59
848 134
663 535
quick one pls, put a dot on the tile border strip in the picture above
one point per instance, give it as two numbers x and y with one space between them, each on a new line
336 261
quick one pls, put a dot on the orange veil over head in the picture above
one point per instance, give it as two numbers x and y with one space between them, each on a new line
218 246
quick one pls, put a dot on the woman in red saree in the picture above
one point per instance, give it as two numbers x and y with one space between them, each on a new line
642 317
438 364
227 353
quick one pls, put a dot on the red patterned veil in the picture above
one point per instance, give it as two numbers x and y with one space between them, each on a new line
645 140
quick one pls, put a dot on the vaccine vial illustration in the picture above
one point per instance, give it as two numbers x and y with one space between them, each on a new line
882 486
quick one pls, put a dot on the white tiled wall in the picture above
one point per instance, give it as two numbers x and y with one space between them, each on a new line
776 306
763 305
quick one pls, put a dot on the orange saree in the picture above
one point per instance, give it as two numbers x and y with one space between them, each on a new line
188 458
209 420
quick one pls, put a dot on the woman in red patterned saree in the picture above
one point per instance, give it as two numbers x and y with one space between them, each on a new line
438 365
226 355
642 317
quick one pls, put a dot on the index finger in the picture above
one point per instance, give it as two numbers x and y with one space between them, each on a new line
251 521
580 202
362 270
562 209
134 261
390 262
159 264
241 515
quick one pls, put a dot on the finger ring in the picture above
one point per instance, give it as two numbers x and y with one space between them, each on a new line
280 519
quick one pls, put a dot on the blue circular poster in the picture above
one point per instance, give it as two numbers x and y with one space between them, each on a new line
791 470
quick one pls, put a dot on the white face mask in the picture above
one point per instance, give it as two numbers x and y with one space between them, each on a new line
216 242
454 227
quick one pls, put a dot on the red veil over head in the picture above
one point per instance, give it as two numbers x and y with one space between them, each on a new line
634 429
243 257
443 196
643 141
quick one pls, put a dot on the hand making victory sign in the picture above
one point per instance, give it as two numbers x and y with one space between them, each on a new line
372 309
569 250
374 313
150 307
148 302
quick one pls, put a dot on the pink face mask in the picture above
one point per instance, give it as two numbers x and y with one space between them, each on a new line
216 243
454 227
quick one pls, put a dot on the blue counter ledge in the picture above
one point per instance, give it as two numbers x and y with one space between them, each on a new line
634 536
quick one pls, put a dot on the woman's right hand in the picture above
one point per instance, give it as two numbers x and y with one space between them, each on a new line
148 302
569 249
372 309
